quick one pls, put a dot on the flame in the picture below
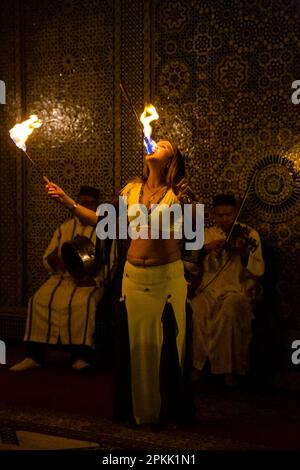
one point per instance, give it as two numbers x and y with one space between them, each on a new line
149 115
20 132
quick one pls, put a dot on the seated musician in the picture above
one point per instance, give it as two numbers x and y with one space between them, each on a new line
63 309
223 304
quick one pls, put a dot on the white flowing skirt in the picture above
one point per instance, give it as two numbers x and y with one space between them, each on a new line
146 291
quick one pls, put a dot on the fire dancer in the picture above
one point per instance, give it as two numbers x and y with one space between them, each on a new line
152 322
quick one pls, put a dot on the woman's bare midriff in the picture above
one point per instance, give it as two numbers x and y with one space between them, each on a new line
153 252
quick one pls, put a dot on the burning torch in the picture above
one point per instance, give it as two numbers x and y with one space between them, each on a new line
149 115
20 132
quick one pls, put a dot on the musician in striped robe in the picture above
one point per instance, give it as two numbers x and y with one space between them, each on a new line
63 309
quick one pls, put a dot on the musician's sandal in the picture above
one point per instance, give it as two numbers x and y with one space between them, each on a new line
27 364
81 365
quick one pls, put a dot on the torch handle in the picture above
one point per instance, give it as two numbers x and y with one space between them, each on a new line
148 145
28 156
46 179
127 98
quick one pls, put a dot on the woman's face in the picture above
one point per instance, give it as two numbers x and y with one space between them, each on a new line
163 152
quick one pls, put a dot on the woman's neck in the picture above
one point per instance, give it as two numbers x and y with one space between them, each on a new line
155 179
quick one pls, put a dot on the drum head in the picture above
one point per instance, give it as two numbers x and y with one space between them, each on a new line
79 257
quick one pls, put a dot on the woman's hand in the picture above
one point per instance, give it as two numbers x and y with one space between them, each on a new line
58 194
185 194
87 216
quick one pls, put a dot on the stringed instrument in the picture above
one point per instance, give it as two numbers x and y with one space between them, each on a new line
240 238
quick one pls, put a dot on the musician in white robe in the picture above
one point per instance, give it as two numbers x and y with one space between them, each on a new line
224 302
64 309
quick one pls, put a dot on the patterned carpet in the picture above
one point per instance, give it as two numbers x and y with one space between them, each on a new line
12 440
226 420
58 402
110 435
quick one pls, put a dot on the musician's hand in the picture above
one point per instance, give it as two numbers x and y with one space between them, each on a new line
216 245
85 282
55 262
242 244
57 194
192 268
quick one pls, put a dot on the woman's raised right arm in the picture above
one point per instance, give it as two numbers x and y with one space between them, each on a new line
86 216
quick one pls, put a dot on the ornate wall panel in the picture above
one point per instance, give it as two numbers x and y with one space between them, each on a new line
65 64
11 243
222 81
131 56
70 86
